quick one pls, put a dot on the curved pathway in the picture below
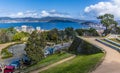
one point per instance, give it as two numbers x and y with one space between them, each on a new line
111 63
54 64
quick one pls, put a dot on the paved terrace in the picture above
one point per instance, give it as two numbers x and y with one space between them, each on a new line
111 63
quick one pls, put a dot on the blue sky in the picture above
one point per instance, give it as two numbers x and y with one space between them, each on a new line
42 8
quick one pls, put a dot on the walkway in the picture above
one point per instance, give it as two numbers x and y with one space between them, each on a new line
111 63
54 64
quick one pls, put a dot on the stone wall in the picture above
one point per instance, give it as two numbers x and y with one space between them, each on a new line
81 46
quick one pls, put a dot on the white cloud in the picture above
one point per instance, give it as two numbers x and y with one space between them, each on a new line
112 7
25 14
54 13
43 13
20 14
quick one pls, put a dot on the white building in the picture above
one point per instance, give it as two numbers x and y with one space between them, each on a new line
38 28
28 29
25 28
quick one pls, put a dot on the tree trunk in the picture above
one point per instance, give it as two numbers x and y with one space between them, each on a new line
3 69
106 31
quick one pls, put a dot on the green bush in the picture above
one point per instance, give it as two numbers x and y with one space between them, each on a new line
6 54
21 36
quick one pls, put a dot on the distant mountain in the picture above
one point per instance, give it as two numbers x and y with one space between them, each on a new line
59 19
89 22
44 19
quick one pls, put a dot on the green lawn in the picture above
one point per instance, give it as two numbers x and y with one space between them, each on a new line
47 61
80 64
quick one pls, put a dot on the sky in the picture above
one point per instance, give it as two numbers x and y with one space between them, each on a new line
82 9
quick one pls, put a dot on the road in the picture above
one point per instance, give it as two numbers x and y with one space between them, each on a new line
18 53
111 63
52 65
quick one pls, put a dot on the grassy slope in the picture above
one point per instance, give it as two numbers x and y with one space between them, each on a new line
80 64
47 61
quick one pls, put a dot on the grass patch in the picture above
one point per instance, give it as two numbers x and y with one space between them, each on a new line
80 64
5 53
47 61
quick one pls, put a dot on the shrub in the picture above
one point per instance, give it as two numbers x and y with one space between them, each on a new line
6 54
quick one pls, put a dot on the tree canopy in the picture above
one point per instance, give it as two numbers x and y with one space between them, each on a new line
108 21
35 45
20 35
6 35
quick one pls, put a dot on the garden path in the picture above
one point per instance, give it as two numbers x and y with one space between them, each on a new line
111 62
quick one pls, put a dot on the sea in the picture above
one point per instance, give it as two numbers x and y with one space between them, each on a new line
45 25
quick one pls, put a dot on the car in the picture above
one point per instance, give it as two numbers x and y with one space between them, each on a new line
9 69
16 64
48 51
26 60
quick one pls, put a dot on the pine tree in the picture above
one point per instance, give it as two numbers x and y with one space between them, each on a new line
35 46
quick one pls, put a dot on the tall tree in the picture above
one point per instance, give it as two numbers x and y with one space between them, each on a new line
93 32
52 35
70 32
61 35
80 32
6 35
3 36
108 21
35 46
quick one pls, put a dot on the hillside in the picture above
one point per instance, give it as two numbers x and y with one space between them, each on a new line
43 19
